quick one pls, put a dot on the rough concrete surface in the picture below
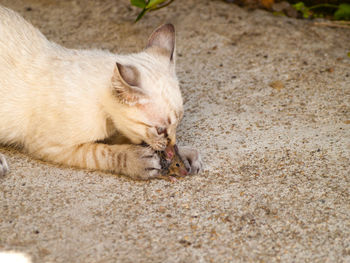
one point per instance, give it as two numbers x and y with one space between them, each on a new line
267 102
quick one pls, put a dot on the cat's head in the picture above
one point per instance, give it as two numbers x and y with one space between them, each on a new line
148 103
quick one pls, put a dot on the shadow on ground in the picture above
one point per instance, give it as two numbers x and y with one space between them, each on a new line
267 102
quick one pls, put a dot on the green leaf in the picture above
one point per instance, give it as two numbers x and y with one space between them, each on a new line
153 3
141 14
349 54
343 12
139 3
300 6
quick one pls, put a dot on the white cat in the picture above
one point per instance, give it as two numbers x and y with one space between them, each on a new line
59 104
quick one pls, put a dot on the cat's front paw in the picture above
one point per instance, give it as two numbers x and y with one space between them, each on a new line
143 163
191 159
4 168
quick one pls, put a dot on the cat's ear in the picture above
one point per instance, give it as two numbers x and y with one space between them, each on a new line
128 74
126 84
163 38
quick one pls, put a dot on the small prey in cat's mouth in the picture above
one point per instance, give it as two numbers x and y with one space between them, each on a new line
102 97
172 165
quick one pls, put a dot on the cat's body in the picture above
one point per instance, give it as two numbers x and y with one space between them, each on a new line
57 102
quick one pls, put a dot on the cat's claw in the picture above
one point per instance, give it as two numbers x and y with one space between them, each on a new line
4 168
144 163
191 159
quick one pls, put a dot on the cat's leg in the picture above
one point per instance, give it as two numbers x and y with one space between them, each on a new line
133 160
4 168
191 159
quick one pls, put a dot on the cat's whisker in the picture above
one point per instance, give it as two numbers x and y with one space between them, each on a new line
73 99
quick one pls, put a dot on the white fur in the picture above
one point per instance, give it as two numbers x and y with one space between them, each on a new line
50 95
57 102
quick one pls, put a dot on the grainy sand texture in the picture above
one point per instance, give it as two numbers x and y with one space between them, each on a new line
267 103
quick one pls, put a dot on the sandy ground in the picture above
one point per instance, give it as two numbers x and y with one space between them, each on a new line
276 185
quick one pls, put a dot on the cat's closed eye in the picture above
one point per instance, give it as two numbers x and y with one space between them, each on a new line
161 130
